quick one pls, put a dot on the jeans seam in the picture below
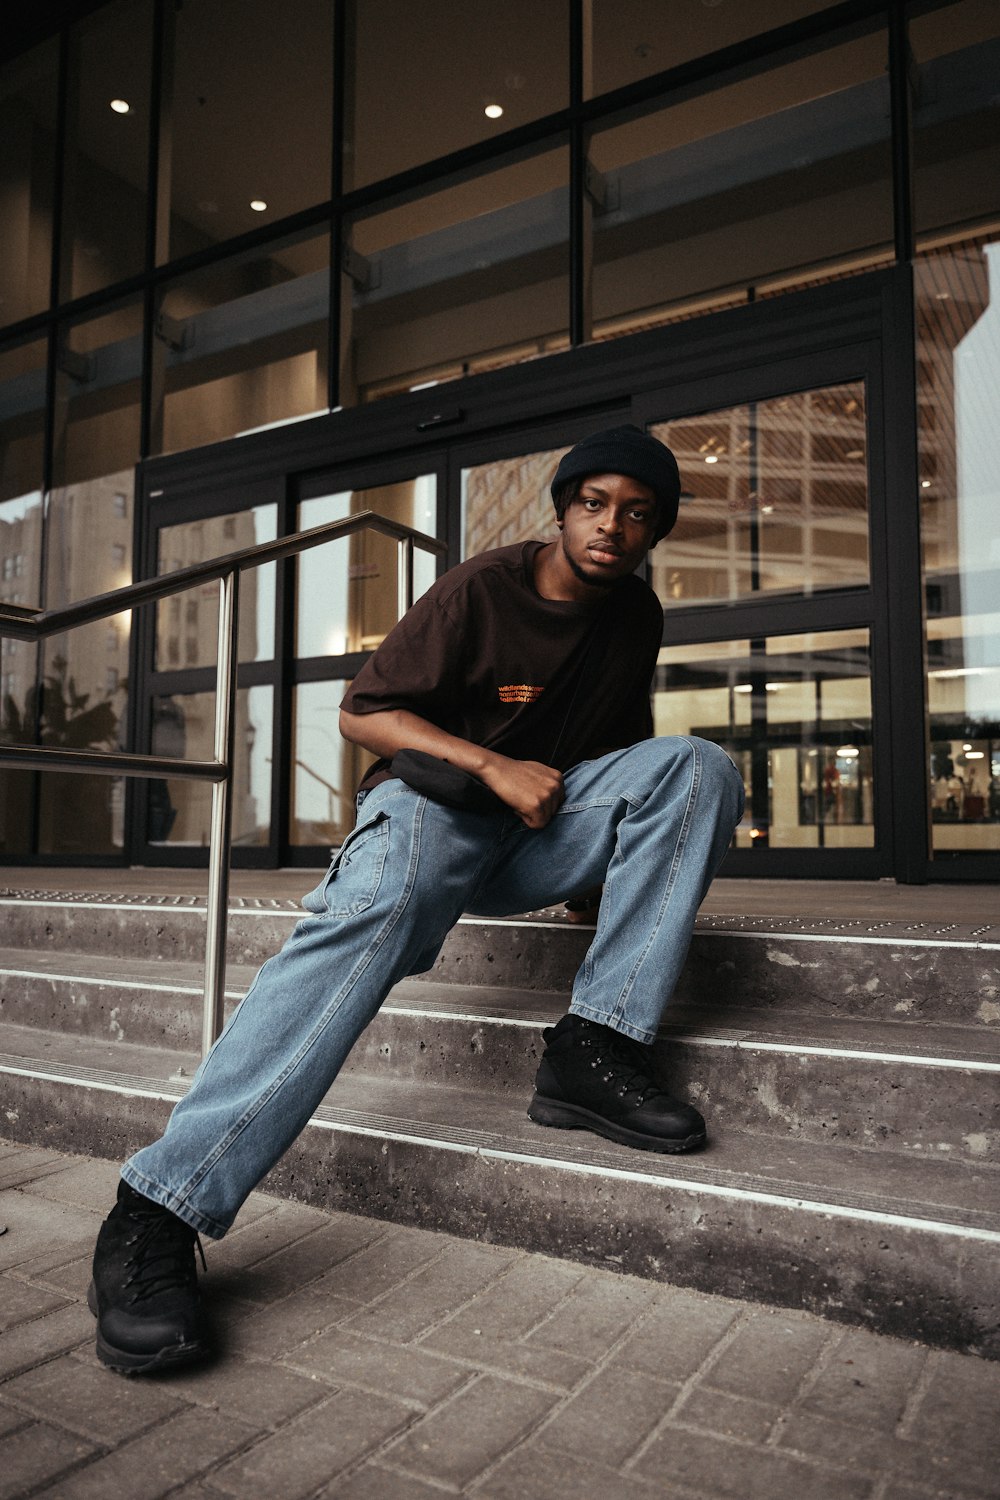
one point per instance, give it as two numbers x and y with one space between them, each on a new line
198 1176
679 847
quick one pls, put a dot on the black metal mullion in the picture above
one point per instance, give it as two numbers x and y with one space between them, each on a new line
336 221
904 664
284 655
901 113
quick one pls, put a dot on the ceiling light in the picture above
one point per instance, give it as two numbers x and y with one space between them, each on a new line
966 747
975 754
854 453
120 106
848 752
711 458
925 484
258 205
493 111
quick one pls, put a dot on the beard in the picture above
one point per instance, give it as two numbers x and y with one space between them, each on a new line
595 583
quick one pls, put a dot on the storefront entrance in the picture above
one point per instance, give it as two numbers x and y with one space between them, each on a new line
781 587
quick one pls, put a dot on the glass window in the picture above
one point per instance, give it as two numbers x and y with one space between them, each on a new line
20 562
22 403
251 121
89 551
784 172
958 364
459 281
28 91
794 712
956 115
429 79
242 346
187 625
774 498
347 597
22 425
104 196
179 812
327 768
509 501
635 38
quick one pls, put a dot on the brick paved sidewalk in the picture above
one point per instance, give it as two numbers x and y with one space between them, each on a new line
361 1361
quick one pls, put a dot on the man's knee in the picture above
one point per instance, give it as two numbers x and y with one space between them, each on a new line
719 772
709 766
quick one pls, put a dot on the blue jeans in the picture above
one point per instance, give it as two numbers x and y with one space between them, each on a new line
651 822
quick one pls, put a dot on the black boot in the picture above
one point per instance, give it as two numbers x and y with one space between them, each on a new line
593 1078
144 1291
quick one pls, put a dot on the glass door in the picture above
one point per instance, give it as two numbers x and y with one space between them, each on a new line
306 627
178 706
774 632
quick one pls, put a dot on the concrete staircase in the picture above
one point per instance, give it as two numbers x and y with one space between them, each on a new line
849 1070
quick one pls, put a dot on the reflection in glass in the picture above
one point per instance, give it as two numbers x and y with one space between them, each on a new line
508 501
22 394
104 195
774 498
956 114
251 118
242 345
89 551
28 93
327 768
747 185
20 564
510 56
634 38
187 625
794 712
958 363
179 812
347 597
459 281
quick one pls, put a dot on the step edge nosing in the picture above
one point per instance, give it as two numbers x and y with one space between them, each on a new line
618 1174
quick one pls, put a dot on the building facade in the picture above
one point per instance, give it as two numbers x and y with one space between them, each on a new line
257 274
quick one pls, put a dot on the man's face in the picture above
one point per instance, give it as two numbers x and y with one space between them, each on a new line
608 529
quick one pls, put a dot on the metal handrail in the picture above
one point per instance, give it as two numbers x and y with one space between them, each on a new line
36 624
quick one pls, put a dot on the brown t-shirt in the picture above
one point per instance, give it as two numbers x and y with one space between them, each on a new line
483 656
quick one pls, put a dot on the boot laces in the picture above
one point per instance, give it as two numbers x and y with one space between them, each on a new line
624 1067
161 1259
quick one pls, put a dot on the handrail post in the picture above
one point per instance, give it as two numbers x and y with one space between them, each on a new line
404 588
220 844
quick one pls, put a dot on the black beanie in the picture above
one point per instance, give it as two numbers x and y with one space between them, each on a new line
627 450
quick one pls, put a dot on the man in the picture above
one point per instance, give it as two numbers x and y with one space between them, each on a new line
529 668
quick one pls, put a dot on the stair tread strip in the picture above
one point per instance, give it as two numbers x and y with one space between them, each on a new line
921 1195
945 1045
898 932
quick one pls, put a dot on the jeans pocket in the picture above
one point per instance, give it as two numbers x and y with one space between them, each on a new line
352 881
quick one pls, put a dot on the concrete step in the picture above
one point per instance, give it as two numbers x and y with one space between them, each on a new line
903 1245
849 967
919 1087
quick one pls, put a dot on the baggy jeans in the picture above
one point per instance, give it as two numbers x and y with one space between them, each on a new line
651 822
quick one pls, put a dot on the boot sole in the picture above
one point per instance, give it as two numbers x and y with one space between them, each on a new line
574 1117
126 1362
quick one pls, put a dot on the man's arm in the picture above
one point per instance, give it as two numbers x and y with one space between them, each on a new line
534 791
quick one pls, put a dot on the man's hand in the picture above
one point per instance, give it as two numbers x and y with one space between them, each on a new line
535 792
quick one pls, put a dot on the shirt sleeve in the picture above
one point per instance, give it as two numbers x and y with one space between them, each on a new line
418 667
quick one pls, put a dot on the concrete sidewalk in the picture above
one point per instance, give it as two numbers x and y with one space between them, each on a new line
361 1361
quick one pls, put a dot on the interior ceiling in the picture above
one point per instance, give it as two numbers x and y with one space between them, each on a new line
252 98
